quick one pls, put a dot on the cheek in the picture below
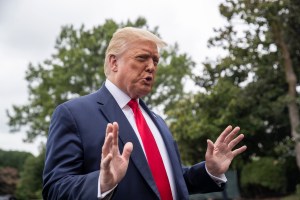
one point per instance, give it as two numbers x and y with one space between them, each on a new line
136 71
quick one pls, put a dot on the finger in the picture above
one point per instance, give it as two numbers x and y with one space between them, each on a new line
109 129
127 150
115 133
235 141
231 135
107 145
106 161
210 148
224 134
239 150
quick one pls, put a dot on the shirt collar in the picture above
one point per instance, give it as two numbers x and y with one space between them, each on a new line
121 98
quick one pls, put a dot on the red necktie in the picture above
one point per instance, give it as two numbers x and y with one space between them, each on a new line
154 158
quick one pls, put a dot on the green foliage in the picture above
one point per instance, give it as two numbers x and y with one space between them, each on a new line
14 159
246 87
30 184
11 164
199 117
254 63
263 178
76 68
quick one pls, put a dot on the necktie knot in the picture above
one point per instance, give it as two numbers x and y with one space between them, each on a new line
133 104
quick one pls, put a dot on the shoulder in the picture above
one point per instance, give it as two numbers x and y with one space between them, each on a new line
92 97
79 103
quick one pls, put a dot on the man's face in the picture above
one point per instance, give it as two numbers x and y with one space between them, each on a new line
134 70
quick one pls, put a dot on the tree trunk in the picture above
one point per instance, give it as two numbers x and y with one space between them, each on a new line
291 79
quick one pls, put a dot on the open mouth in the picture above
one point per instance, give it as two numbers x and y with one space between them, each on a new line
148 79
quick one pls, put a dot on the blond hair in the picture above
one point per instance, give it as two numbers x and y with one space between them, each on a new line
125 36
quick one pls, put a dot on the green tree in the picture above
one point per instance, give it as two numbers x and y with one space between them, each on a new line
253 85
76 68
264 177
14 159
30 184
261 60
266 50
203 116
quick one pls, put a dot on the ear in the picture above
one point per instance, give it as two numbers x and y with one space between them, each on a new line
113 63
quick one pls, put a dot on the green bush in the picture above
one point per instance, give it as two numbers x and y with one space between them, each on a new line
30 184
263 177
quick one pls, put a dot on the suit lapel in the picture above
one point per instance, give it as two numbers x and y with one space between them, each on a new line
110 109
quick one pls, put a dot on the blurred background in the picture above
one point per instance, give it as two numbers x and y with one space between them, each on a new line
227 62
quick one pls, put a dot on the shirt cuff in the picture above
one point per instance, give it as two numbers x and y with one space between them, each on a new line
100 195
218 179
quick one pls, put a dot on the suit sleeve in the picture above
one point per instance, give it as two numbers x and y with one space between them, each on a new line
198 180
63 176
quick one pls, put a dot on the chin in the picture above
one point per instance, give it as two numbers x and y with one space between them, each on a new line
144 93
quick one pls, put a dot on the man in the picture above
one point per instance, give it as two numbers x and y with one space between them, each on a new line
110 145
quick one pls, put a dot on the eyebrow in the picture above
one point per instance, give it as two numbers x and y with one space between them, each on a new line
153 56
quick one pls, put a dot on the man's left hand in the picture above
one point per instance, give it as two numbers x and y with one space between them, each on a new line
220 154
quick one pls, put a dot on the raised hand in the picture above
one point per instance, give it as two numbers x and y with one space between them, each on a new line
220 154
113 165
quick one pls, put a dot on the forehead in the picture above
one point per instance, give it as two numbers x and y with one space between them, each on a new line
142 46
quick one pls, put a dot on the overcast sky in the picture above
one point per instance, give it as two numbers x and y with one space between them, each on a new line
28 30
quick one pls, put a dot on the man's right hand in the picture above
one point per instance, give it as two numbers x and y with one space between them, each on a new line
113 165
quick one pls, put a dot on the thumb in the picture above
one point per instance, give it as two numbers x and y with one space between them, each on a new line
127 150
210 147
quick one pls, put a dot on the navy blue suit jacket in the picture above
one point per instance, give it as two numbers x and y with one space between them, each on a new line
73 153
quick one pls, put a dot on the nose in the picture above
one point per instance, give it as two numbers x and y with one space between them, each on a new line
151 67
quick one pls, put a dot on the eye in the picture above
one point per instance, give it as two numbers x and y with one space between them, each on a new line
142 58
155 61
